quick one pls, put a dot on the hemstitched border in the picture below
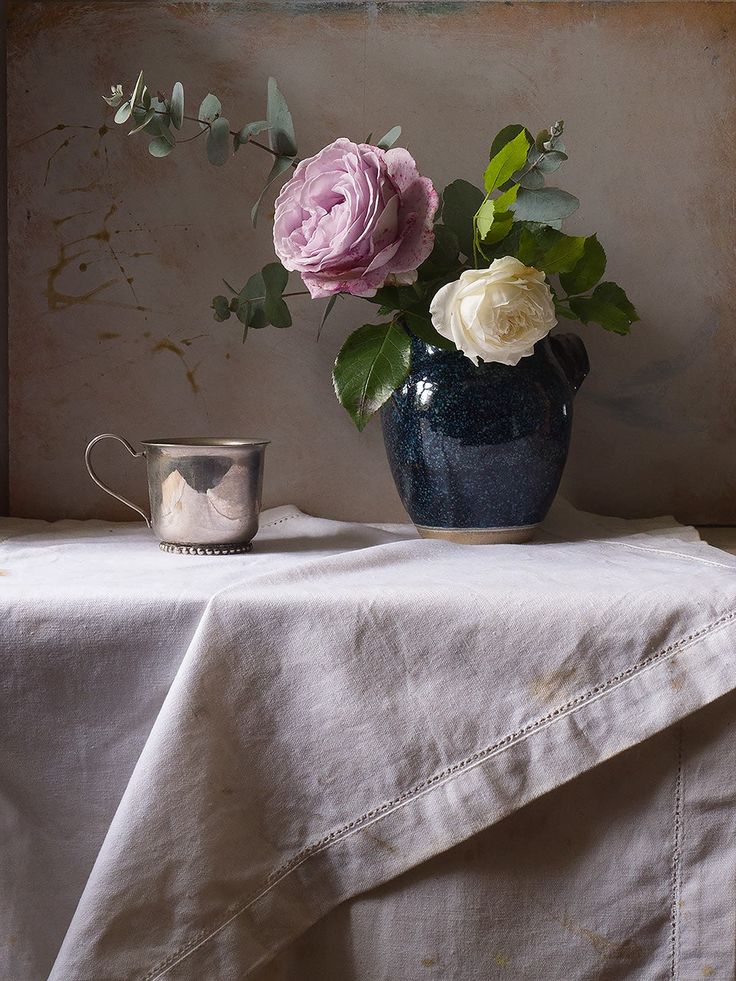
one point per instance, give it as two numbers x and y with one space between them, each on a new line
449 773
677 834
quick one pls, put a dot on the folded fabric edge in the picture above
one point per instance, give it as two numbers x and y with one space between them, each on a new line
469 797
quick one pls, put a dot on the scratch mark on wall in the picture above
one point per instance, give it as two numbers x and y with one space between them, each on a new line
61 146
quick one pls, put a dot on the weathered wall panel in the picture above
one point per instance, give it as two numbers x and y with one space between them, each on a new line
114 255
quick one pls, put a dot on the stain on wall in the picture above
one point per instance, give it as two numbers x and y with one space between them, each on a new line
114 255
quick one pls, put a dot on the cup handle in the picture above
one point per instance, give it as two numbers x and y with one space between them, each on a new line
93 475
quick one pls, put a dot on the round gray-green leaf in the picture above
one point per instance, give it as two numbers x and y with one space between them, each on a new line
374 361
177 105
160 147
218 142
209 110
545 204
123 113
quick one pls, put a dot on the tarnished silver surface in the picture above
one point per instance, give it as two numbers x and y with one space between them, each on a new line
203 491
205 549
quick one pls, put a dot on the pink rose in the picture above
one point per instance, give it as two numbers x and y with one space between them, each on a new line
352 216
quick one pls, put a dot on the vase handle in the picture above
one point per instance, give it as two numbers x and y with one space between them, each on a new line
572 356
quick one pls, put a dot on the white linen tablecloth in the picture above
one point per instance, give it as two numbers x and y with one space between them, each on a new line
219 767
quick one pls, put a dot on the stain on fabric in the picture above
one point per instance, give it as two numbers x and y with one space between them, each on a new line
502 960
429 961
385 845
4 572
547 687
621 950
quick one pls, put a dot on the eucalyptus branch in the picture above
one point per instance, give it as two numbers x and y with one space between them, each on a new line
208 124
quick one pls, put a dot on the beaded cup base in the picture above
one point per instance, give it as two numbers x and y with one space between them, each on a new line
205 549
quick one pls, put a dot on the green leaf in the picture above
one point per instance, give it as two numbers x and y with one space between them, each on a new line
608 306
460 202
281 127
280 164
145 120
250 303
613 293
275 278
424 329
177 105
506 162
327 312
563 311
218 142
544 205
550 250
123 113
387 141
250 129
444 255
484 218
159 147
221 307
209 110
374 361
493 219
506 135
588 270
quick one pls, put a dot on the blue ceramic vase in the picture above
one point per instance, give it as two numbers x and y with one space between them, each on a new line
477 451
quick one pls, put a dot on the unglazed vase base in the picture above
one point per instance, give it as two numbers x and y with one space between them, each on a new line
480 536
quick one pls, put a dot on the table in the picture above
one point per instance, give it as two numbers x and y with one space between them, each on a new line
261 764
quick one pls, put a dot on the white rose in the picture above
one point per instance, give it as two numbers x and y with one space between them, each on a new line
497 314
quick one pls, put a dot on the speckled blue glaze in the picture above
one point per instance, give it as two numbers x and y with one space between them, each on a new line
483 446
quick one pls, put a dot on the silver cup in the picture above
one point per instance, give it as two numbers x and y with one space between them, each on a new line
205 493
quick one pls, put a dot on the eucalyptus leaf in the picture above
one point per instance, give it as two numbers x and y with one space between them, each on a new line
159 147
251 300
532 180
146 119
280 165
275 278
460 202
588 270
209 110
145 97
281 136
221 307
549 162
137 88
544 205
218 142
177 105
250 129
116 96
506 162
123 113
387 141
374 361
